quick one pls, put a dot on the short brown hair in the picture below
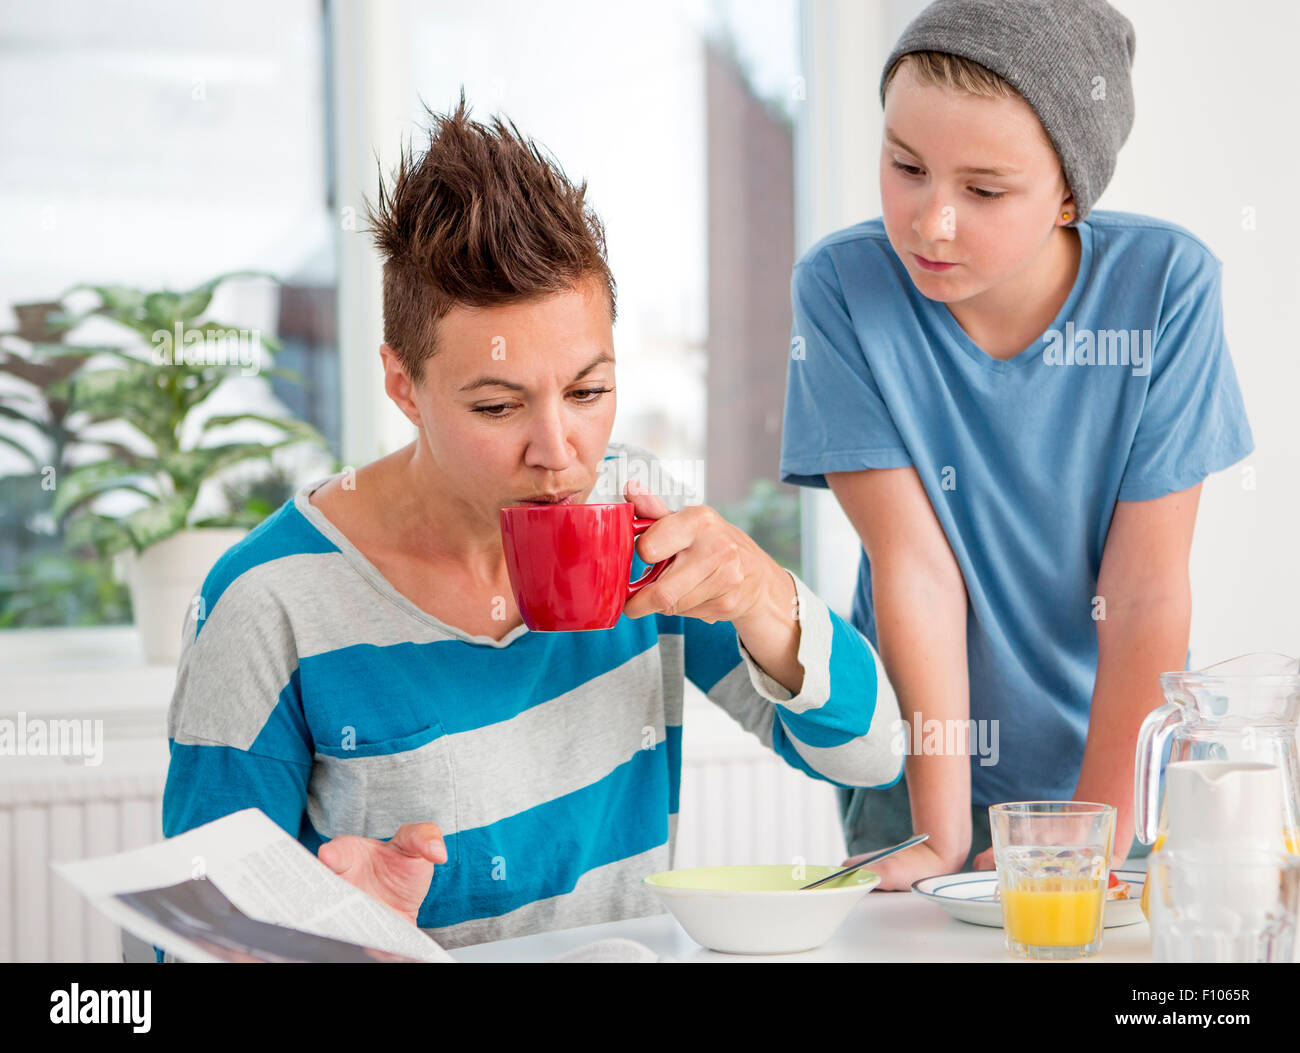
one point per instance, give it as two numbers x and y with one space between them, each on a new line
483 218
942 70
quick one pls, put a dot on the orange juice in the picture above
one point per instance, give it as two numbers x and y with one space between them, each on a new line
1054 912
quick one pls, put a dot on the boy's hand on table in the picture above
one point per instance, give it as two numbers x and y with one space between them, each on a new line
898 872
396 872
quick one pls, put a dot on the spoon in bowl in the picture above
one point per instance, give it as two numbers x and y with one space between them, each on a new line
874 857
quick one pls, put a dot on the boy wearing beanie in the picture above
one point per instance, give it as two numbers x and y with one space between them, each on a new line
1015 399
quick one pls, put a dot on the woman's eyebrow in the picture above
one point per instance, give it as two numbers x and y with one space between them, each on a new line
497 382
964 170
600 359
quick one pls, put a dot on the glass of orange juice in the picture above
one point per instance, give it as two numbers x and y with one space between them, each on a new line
1053 861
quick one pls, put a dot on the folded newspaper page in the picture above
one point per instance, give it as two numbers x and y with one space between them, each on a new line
239 889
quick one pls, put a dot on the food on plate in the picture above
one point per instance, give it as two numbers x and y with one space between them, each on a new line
1117 889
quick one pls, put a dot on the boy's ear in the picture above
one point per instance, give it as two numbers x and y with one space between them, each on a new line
1067 205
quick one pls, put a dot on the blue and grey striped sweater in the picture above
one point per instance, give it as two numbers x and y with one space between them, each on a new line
309 687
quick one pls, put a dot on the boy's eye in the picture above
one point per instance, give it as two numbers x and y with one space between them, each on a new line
493 411
987 195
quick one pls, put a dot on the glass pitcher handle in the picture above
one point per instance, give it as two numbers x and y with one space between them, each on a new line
1156 729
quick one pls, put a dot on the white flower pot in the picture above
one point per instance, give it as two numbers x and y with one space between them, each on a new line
163 580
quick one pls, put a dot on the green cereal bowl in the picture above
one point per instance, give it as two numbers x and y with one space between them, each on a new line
760 909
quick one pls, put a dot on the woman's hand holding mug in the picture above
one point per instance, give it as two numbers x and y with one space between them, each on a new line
569 567
718 573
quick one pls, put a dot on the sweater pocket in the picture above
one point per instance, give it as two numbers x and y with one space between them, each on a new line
369 789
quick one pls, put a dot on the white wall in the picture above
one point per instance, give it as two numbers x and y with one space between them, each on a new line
368 93
836 184
1215 97
1214 135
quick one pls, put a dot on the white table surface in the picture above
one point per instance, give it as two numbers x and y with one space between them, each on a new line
883 927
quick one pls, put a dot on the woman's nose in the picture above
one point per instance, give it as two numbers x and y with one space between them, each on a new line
548 442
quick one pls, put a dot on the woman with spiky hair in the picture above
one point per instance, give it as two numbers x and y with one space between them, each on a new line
363 674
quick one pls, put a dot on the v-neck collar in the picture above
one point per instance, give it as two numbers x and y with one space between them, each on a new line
381 584
1001 365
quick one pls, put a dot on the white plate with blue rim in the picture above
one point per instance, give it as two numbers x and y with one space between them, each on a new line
971 898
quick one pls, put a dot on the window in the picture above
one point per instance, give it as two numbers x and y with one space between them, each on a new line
680 118
156 146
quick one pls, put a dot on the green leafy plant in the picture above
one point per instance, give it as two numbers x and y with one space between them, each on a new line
45 583
60 588
255 499
40 399
157 393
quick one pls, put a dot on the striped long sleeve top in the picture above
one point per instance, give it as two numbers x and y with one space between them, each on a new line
309 687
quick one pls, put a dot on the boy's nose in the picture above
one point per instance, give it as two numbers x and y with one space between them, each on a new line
936 222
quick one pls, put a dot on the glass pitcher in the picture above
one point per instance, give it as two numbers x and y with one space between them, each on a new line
1244 709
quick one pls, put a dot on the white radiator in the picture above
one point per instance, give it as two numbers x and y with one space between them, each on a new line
738 805
737 810
59 809
50 815
739 802
734 809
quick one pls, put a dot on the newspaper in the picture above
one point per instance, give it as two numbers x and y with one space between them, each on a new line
240 889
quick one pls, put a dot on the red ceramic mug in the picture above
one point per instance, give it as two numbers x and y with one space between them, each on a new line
569 564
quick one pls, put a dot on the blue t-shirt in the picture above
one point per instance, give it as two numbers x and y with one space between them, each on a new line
1023 459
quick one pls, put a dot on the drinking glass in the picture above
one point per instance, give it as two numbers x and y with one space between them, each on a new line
1053 861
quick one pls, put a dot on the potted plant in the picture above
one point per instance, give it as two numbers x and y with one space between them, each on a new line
43 582
159 392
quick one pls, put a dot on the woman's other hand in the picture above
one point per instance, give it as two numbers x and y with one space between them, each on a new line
396 872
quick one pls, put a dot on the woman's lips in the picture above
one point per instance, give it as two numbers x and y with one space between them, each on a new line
931 265
562 497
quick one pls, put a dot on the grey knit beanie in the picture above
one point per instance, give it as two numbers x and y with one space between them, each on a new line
1070 59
